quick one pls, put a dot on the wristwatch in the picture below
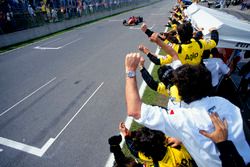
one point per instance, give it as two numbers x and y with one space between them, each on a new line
131 74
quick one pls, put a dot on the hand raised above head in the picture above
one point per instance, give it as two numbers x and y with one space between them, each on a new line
154 37
144 27
132 61
141 63
143 49
123 129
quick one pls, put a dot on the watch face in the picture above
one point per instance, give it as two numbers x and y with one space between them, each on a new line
131 74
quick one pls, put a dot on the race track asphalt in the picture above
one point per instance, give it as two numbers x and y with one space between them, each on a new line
63 97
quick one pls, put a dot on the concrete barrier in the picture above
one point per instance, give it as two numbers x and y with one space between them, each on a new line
32 33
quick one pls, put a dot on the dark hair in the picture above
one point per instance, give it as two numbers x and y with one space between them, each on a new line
150 142
193 81
185 32
165 74
171 36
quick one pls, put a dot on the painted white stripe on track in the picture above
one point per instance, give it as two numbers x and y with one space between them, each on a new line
27 148
27 97
70 42
59 47
40 151
46 48
79 110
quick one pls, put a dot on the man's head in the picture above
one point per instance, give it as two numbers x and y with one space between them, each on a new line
185 32
165 74
193 81
150 142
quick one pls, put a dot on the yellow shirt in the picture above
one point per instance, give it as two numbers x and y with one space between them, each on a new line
190 53
172 92
173 158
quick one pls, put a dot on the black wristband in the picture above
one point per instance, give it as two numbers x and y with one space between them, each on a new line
149 32
154 59
161 38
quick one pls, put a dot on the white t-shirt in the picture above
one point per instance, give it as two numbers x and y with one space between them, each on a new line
184 123
217 68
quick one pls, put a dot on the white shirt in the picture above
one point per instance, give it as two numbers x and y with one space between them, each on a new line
184 123
215 65
217 68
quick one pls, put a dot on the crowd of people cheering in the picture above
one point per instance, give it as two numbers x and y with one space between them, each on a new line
197 127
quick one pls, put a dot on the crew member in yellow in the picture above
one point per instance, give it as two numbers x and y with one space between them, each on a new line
188 51
154 149
165 86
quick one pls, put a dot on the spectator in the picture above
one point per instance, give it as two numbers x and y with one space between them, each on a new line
194 85
79 8
54 15
31 11
245 4
222 4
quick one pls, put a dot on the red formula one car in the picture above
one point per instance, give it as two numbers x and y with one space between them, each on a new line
132 21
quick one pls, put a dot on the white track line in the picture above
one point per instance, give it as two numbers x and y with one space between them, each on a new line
40 151
59 47
79 110
27 148
129 120
27 97
46 43
46 48
70 42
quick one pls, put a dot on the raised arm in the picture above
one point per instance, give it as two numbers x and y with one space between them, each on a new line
133 100
168 49
150 55
153 84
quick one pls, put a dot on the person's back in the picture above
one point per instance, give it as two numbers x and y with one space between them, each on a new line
174 157
153 148
190 53
193 117
190 50
194 85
